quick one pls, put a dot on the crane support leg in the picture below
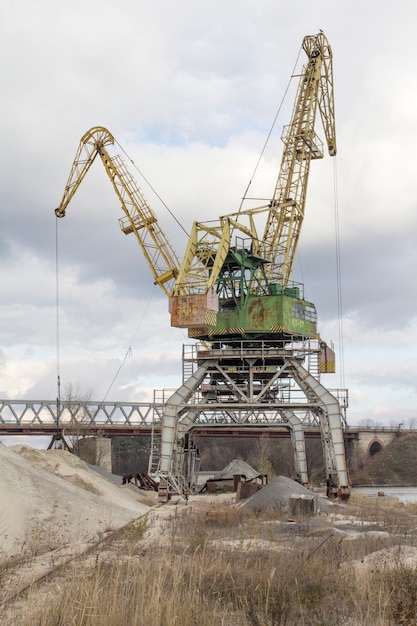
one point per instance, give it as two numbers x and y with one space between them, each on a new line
168 473
299 447
297 438
331 429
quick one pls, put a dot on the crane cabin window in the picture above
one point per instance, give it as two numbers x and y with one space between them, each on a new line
304 311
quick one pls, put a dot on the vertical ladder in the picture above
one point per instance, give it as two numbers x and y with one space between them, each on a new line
189 364
313 364
155 453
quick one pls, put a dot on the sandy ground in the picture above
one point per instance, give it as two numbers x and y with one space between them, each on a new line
50 499
53 507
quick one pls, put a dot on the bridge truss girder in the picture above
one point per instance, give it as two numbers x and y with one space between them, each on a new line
73 413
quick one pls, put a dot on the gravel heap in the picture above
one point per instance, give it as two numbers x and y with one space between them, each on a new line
237 466
276 494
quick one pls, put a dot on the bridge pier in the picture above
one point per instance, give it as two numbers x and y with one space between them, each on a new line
368 442
95 451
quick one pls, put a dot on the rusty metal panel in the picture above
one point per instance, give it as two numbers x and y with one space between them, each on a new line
163 495
246 490
191 311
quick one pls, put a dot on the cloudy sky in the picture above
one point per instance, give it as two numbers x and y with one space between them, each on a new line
190 90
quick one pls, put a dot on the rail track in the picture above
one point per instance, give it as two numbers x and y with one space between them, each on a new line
21 576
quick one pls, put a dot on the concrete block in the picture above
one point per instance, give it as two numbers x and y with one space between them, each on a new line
300 506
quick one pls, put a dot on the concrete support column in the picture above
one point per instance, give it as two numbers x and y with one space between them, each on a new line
95 451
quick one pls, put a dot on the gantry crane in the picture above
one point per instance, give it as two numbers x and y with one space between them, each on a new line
233 292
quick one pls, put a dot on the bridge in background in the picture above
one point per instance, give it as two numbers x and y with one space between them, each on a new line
115 419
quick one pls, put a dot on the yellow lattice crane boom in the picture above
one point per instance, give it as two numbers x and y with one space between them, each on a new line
139 218
249 270
301 146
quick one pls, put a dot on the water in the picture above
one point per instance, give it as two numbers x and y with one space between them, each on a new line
406 495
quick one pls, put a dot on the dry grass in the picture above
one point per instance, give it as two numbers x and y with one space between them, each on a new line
270 573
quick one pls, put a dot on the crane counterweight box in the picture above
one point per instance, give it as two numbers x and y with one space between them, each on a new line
327 360
191 311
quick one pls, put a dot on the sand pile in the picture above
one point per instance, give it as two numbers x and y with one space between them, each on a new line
49 498
386 559
276 494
